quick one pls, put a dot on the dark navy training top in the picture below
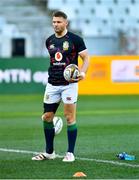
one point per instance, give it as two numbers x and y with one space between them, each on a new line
63 51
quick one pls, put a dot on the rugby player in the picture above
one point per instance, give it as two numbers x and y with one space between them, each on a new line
64 47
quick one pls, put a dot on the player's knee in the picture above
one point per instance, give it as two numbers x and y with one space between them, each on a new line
48 116
69 117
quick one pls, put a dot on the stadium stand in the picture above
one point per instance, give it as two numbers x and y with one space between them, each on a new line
101 18
108 21
30 20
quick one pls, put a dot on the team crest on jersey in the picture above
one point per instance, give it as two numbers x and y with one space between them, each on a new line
58 56
65 45
52 46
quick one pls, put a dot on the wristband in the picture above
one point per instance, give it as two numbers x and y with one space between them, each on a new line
82 74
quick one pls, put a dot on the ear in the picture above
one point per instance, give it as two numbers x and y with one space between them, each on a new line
67 23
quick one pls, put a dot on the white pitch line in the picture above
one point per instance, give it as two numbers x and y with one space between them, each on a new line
79 158
18 151
109 162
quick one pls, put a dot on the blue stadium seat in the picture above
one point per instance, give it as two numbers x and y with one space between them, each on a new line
95 17
55 4
2 21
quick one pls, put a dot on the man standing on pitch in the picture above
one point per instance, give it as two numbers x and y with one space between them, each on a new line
63 47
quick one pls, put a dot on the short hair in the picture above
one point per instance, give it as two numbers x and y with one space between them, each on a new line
59 14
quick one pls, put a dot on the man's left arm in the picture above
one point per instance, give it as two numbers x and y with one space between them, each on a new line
85 58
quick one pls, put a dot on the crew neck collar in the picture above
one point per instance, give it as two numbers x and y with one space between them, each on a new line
65 32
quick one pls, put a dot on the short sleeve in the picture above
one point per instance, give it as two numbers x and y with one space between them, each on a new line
80 45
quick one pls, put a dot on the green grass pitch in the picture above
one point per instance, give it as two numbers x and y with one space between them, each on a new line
107 125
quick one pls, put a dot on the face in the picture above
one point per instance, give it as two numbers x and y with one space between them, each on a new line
59 24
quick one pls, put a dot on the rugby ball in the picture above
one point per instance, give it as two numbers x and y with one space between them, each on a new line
58 124
71 72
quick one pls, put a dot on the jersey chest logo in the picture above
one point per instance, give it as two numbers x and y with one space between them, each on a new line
52 46
65 45
58 56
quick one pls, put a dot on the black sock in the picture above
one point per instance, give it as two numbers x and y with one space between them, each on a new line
49 136
72 135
